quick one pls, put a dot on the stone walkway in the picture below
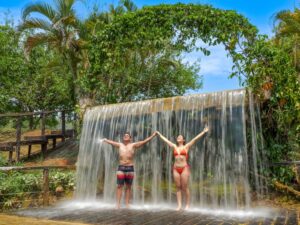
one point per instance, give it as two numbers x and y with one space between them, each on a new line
18 220
164 217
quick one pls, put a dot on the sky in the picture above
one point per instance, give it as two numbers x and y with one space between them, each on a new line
215 68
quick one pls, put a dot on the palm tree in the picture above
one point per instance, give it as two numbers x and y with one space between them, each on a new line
58 28
288 33
97 20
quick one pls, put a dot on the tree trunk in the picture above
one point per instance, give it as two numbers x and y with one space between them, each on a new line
81 101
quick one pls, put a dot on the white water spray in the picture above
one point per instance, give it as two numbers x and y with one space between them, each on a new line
223 164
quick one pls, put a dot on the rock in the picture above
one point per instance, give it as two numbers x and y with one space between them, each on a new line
59 190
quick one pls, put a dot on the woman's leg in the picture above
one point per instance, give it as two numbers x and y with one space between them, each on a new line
184 185
176 177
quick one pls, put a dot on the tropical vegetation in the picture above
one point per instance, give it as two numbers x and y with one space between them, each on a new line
55 60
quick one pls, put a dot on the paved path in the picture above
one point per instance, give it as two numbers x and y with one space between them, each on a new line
18 220
165 217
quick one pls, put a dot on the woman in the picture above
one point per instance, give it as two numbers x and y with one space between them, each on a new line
181 169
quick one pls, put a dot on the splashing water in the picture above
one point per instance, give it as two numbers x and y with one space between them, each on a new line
225 167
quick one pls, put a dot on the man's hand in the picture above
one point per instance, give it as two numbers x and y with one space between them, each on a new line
206 129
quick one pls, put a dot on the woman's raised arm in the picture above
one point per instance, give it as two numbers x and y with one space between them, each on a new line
171 144
193 141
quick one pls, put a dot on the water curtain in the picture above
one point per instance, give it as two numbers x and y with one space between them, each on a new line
226 164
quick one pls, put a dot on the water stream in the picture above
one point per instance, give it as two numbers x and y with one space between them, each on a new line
225 164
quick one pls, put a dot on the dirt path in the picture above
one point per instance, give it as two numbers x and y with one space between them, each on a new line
17 220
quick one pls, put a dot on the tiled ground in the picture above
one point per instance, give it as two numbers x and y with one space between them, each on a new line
164 217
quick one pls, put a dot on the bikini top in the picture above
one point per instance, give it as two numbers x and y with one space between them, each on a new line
182 152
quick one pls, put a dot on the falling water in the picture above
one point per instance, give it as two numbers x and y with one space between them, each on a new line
225 169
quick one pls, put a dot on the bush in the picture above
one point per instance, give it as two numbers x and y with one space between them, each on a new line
19 186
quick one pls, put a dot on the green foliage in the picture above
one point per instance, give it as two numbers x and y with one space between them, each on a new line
136 54
266 69
281 113
128 54
57 28
3 162
134 75
287 34
18 186
64 179
27 85
12 66
284 175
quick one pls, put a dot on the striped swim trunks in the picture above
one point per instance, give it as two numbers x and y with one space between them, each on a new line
125 175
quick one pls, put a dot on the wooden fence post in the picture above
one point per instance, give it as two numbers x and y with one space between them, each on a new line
43 127
75 124
43 123
46 187
10 154
18 138
63 124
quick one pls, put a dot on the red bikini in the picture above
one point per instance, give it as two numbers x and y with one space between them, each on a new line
182 152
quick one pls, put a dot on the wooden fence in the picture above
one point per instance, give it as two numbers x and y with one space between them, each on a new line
42 140
45 169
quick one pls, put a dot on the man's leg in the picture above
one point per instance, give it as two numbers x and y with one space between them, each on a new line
127 195
128 180
119 195
120 184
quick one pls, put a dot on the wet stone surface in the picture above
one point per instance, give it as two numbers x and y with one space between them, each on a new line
156 217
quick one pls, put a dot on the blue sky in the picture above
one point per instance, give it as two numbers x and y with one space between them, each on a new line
214 68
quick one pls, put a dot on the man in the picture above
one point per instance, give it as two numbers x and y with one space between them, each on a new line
125 171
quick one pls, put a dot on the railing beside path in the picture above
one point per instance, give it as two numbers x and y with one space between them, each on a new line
45 183
42 139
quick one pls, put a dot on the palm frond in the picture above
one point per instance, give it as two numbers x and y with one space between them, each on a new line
69 20
111 9
38 39
65 7
41 8
129 5
289 23
55 65
80 44
70 42
35 23
83 29
119 10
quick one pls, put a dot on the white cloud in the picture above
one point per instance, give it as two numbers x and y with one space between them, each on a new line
215 69
216 64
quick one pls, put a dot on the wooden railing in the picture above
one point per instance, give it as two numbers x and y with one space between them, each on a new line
40 140
45 169
286 163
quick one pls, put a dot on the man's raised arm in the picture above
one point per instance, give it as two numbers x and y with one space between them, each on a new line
141 143
113 143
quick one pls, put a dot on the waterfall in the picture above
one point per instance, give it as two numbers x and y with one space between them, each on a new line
225 169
